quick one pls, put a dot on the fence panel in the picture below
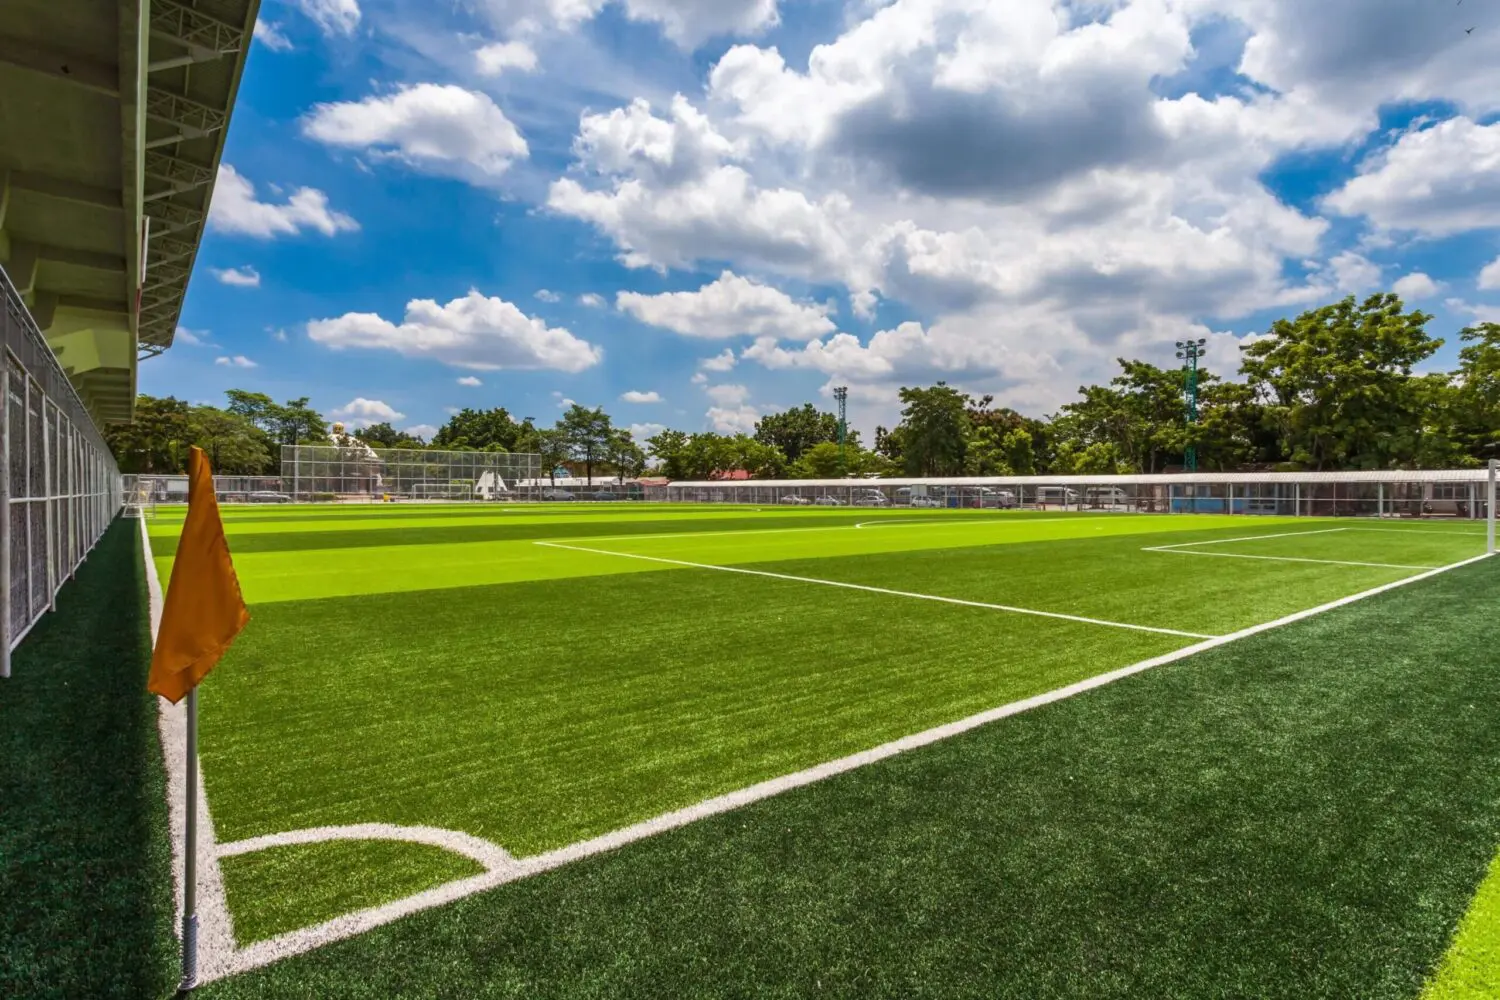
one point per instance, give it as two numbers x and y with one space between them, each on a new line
58 481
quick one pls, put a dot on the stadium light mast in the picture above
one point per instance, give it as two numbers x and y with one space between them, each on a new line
1190 351
841 396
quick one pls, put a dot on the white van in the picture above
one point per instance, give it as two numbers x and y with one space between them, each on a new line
1106 497
1056 496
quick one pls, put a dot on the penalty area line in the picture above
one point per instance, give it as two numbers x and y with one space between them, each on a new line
1288 559
881 590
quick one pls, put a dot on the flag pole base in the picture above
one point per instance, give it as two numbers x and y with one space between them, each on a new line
189 954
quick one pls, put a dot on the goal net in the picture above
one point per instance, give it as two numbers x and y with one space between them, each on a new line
453 489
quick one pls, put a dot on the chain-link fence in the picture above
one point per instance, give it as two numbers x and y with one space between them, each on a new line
357 471
60 484
1454 493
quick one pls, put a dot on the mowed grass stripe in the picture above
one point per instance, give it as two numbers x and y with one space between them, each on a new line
1276 819
541 714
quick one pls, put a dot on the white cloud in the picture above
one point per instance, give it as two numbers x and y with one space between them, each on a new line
237 361
1416 285
470 380
239 277
699 379
269 34
721 362
1489 275
190 337
475 331
728 307
592 299
691 24
1437 181
235 210
436 128
423 431
361 412
640 432
547 295
727 395
335 17
496 58
279 336
732 419
636 396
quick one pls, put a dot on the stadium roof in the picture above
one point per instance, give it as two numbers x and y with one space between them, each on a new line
1179 478
112 121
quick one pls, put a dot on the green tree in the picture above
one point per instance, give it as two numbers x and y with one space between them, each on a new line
485 430
234 445
588 434
383 435
670 449
796 430
934 430
297 423
256 407
553 447
1337 383
624 454
1473 404
156 441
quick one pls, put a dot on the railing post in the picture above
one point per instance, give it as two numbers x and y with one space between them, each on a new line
6 630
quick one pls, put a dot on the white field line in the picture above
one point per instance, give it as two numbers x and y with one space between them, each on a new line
1288 559
1245 538
298 941
815 527
981 519
1423 531
881 590
215 927
492 856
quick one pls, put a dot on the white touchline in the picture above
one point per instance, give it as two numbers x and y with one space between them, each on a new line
817 527
989 521
880 590
351 924
1291 559
1246 538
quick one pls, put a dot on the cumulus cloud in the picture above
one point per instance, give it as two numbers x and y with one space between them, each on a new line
269 34
470 381
496 58
1489 275
1436 181
687 24
437 128
732 419
335 17
727 395
547 295
475 331
592 299
236 210
238 277
729 306
360 412
1416 285
423 431
640 432
235 361
636 396
193 338
721 362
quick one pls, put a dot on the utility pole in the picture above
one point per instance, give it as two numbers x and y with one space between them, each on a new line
1190 351
841 396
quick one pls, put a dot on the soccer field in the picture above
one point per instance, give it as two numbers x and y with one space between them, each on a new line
514 686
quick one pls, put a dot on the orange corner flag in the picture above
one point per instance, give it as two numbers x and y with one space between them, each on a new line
204 610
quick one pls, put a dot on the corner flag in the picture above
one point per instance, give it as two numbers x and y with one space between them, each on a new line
201 616
203 611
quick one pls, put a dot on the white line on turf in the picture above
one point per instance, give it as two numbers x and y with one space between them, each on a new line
879 590
1247 538
1289 559
487 853
990 520
306 939
821 527
215 927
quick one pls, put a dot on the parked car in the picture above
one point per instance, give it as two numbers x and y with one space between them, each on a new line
827 501
606 495
267 496
557 495
800 501
926 502
871 498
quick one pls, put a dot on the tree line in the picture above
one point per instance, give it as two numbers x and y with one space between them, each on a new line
1338 387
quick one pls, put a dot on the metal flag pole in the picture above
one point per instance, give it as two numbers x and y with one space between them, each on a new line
190 853
1489 511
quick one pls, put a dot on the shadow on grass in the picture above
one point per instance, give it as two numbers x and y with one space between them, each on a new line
85 864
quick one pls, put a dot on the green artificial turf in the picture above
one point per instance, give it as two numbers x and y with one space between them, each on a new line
1302 814
1471 968
85 865
283 888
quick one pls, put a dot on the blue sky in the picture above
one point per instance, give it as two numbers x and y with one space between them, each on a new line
1007 196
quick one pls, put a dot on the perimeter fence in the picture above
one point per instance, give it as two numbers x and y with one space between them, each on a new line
61 487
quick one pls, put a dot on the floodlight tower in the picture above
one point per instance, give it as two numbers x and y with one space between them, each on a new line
841 396
1190 351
